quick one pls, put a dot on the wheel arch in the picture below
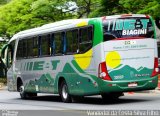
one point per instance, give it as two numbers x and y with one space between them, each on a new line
60 80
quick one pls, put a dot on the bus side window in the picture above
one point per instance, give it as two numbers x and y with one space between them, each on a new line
20 52
75 41
72 41
45 45
52 44
35 47
24 48
29 47
64 42
69 42
58 43
85 39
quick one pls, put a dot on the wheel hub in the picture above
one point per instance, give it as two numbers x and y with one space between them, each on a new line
64 92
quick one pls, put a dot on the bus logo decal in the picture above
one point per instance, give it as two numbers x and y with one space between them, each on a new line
40 65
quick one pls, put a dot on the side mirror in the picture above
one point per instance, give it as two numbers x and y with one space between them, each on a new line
157 21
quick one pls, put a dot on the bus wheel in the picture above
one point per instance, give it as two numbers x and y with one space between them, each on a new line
23 94
26 95
65 96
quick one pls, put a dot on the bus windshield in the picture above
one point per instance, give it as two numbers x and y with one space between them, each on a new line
133 27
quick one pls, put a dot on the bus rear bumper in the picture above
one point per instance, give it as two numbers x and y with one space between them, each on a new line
124 86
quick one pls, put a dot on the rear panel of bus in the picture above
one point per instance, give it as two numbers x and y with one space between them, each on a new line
129 53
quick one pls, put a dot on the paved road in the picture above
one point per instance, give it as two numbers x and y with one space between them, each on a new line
52 103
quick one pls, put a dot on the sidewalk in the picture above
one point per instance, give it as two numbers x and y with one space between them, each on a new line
3 87
149 92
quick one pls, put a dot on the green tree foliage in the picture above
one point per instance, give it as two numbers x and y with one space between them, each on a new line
111 7
86 7
108 7
2 2
142 6
19 15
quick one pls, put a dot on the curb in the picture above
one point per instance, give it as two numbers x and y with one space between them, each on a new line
156 91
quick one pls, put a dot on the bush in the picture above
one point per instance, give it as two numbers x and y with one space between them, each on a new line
3 80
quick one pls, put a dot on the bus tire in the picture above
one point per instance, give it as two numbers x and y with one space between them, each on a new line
23 94
26 95
65 96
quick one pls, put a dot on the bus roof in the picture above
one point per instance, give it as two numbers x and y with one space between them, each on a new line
64 24
60 25
125 15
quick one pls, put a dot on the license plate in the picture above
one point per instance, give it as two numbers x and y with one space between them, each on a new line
132 85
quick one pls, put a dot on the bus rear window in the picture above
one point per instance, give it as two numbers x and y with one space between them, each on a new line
137 27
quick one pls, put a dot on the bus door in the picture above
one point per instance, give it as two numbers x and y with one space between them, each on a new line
8 59
3 67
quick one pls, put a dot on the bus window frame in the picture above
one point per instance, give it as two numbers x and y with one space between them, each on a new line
62 39
40 44
52 42
92 39
26 39
77 40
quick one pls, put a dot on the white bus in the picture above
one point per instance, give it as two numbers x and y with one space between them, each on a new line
99 56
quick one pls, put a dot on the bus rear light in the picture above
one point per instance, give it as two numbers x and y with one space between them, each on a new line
102 72
156 69
147 16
